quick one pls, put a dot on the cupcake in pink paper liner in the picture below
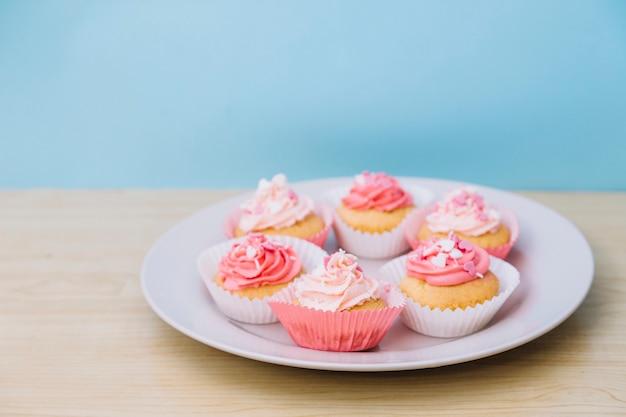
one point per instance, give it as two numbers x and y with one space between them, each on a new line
242 273
370 214
275 209
337 308
453 288
463 211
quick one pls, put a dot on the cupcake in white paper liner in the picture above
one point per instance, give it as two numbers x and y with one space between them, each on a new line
337 308
463 212
267 262
322 210
275 209
370 214
452 322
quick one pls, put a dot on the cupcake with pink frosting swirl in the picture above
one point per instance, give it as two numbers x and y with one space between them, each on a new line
453 287
336 307
276 209
242 273
370 213
464 212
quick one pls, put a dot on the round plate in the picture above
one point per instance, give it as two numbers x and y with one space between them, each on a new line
551 254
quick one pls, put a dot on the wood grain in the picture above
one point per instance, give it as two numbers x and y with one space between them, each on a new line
77 338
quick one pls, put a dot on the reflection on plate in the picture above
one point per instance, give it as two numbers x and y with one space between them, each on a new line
551 254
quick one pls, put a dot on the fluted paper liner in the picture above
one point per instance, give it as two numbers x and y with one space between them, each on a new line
373 245
319 239
340 331
255 311
417 218
458 322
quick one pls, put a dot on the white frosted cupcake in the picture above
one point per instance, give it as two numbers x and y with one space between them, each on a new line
275 209
371 212
241 274
336 307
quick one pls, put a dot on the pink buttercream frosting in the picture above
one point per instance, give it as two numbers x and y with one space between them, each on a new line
447 261
463 210
378 191
274 204
258 261
337 285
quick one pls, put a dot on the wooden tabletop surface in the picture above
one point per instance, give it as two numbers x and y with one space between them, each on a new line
77 337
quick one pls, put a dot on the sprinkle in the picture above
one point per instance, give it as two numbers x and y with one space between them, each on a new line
439 260
455 253
470 268
251 252
465 245
446 245
429 251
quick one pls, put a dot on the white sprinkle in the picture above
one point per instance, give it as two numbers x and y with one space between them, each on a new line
429 251
439 260
446 244
250 252
455 253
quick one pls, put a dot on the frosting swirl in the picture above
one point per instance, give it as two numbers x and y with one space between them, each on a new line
337 285
258 261
447 261
274 204
378 191
464 211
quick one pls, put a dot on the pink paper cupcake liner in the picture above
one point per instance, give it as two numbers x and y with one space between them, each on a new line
319 239
417 218
341 331
458 322
377 245
243 309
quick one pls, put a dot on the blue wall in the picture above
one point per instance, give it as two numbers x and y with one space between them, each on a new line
512 94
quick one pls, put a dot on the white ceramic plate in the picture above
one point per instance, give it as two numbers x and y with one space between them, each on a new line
551 255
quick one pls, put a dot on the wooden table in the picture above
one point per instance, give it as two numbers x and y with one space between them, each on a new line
77 337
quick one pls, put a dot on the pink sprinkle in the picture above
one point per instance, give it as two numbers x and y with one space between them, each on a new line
470 268
465 245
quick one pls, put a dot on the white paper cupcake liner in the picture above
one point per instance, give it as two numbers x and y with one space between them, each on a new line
373 245
255 311
416 219
339 331
321 209
449 323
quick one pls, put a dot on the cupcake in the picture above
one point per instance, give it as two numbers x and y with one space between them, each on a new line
369 214
453 287
336 307
275 209
241 274
463 211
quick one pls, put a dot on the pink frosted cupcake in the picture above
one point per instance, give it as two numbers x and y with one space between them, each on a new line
241 274
453 288
463 211
337 308
275 209
370 214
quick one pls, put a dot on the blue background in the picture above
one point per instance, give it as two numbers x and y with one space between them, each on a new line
512 94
